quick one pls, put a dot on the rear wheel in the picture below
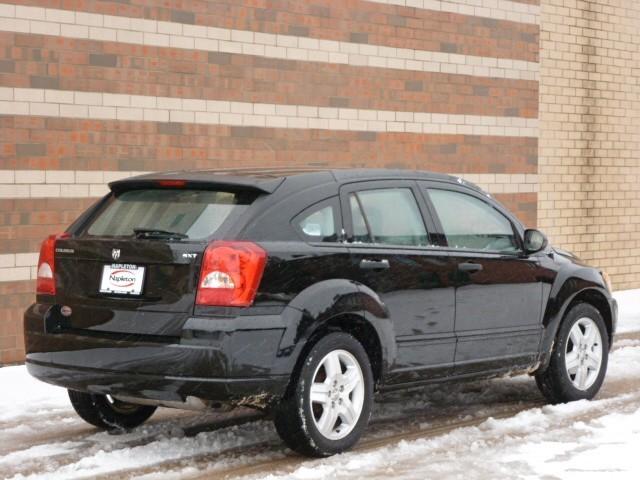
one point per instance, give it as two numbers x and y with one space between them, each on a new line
108 413
579 358
329 407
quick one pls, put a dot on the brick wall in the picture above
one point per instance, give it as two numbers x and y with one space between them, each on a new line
95 90
589 166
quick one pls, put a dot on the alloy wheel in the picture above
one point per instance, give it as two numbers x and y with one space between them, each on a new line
583 353
337 394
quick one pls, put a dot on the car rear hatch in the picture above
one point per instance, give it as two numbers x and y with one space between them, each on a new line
132 267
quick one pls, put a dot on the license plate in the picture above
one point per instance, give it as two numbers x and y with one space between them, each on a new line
121 278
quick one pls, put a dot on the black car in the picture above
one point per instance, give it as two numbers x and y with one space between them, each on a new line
302 293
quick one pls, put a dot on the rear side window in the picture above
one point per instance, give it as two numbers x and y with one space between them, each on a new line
194 213
387 216
470 223
319 223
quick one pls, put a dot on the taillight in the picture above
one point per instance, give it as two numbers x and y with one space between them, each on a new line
46 282
230 274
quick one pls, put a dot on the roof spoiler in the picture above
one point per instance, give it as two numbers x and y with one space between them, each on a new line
230 183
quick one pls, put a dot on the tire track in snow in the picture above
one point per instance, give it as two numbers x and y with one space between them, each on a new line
75 448
625 403
393 412
377 437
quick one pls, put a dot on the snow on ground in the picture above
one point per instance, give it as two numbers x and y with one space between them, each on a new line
629 308
580 440
23 396
481 430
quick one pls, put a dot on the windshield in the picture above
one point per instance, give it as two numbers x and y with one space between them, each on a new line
193 214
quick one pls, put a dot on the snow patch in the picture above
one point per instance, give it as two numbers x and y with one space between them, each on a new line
628 310
24 396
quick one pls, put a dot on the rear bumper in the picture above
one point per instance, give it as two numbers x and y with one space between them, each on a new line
249 391
222 360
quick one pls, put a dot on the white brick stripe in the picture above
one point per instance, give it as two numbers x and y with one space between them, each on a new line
100 27
496 9
93 183
503 182
58 183
17 274
22 266
74 104
15 267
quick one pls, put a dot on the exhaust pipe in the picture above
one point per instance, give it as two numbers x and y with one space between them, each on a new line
190 403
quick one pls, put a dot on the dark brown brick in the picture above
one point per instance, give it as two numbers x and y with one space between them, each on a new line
359 37
31 149
448 47
320 11
396 165
246 132
449 148
219 57
298 30
7 66
170 128
397 21
183 16
367 136
37 81
265 14
103 59
339 102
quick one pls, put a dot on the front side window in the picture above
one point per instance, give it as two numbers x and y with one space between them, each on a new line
318 222
470 223
196 214
387 216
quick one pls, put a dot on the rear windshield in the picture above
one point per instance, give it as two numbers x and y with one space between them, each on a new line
194 213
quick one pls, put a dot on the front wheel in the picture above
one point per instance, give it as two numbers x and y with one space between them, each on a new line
329 405
109 413
579 357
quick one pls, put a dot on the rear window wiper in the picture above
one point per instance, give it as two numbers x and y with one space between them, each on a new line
157 233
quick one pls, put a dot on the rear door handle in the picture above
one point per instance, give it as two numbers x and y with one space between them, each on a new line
469 267
368 264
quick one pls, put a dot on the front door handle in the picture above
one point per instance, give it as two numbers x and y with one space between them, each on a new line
368 264
469 267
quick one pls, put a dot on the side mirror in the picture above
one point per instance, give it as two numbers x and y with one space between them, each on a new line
534 241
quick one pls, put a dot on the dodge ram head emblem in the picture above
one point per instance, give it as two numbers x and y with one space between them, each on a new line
115 253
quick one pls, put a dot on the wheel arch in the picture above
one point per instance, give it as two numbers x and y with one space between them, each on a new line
596 299
339 305
360 329
591 294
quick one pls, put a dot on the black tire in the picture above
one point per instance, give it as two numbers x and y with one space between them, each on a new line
294 416
555 382
99 411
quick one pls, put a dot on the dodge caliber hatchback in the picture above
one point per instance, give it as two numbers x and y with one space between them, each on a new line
302 294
